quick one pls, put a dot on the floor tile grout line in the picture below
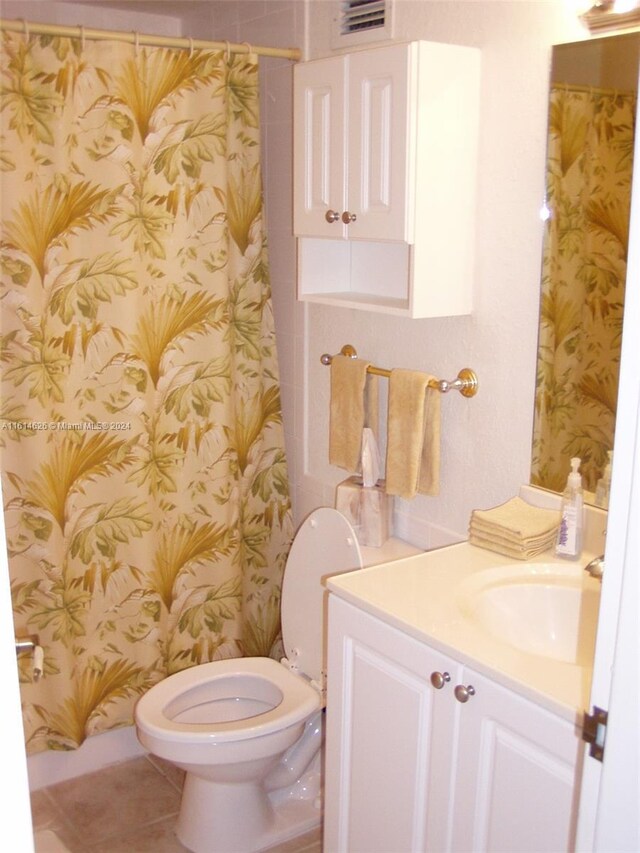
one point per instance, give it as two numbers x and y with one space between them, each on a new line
62 821
175 785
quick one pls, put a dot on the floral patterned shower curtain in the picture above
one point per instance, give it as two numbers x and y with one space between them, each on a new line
590 159
144 478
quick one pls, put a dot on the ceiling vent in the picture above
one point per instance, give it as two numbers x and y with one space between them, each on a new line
361 21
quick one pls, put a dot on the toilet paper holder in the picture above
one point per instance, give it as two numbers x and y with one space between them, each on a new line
32 644
27 644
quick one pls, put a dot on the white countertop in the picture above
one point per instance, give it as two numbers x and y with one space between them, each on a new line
420 596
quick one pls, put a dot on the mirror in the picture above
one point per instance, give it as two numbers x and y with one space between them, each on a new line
592 112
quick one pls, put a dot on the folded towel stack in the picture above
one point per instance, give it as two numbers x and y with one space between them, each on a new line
515 529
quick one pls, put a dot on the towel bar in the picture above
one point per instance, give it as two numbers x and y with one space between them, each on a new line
466 382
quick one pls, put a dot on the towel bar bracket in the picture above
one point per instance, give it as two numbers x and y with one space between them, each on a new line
466 381
347 350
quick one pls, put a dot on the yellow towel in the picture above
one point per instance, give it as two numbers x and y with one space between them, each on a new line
413 435
515 528
530 542
517 518
518 553
347 411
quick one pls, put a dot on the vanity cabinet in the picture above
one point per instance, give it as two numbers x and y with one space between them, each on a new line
384 178
410 767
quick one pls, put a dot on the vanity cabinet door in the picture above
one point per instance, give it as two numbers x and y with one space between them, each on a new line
389 737
515 774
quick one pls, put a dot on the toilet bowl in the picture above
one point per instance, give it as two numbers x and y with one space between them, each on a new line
224 713
247 730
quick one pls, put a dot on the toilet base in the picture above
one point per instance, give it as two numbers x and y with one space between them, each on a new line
265 821
223 818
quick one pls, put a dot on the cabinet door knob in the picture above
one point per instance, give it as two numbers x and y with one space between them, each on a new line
439 679
348 217
332 216
462 693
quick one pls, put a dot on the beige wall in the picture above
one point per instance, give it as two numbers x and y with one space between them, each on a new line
486 440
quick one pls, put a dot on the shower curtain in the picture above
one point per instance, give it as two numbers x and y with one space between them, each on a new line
589 169
144 477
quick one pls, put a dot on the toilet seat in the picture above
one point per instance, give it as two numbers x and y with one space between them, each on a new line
263 679
324 545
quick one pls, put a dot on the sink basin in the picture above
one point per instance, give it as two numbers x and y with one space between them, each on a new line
543 609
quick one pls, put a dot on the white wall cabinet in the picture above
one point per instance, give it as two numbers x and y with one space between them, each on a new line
385 146
409 767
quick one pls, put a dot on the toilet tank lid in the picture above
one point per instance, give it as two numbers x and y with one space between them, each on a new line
324 545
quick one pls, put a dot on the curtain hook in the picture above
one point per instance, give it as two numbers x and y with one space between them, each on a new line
249 48
136 41
26 28
190 47
227 52
81 36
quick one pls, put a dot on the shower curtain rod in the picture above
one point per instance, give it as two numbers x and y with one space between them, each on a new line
26 27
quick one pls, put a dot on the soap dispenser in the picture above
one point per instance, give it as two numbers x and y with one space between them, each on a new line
569 541
604 485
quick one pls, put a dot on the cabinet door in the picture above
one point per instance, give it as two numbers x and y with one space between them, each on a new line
380 139
319 148
515 774
389 738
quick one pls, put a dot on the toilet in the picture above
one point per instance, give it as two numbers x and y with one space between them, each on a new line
248 732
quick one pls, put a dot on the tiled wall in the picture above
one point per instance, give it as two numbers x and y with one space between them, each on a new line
485 441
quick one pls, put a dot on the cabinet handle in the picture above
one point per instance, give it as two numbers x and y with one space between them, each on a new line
462 693
439 679
348 217
332 216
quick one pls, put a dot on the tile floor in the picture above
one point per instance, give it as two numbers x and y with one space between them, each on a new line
127 808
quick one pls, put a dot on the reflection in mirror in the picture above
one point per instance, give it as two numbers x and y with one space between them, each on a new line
592 109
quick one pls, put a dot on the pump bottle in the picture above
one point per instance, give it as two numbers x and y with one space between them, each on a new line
604 485
569 541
